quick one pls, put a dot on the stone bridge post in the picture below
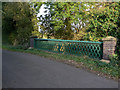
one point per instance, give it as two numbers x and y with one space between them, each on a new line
32 41
109 44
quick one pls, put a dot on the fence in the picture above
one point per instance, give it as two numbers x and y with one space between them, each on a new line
73 47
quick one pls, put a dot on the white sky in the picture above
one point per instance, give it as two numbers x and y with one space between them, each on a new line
42 11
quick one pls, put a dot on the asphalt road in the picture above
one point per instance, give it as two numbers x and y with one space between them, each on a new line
21 70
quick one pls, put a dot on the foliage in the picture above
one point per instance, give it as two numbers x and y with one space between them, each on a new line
72 20
35 6
114 59
103 21
80 35
61 17
80 20
17 22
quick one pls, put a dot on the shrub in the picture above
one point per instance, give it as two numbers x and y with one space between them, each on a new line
114 59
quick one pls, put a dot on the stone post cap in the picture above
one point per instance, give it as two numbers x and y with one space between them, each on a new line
109 38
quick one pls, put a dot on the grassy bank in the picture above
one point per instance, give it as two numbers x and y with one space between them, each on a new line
93 65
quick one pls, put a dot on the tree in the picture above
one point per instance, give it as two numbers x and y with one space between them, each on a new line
103 21
62 15
17 22
81 20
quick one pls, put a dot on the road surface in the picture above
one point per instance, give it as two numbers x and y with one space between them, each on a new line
22 70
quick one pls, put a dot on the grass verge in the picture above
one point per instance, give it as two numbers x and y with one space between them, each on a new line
83 62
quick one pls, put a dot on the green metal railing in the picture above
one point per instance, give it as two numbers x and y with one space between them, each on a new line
73 47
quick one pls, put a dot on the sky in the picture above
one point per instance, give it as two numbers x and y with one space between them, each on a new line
42 11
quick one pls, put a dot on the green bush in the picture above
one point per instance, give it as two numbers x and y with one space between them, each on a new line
114 59
19 47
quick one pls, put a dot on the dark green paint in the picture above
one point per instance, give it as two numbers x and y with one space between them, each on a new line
72 47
